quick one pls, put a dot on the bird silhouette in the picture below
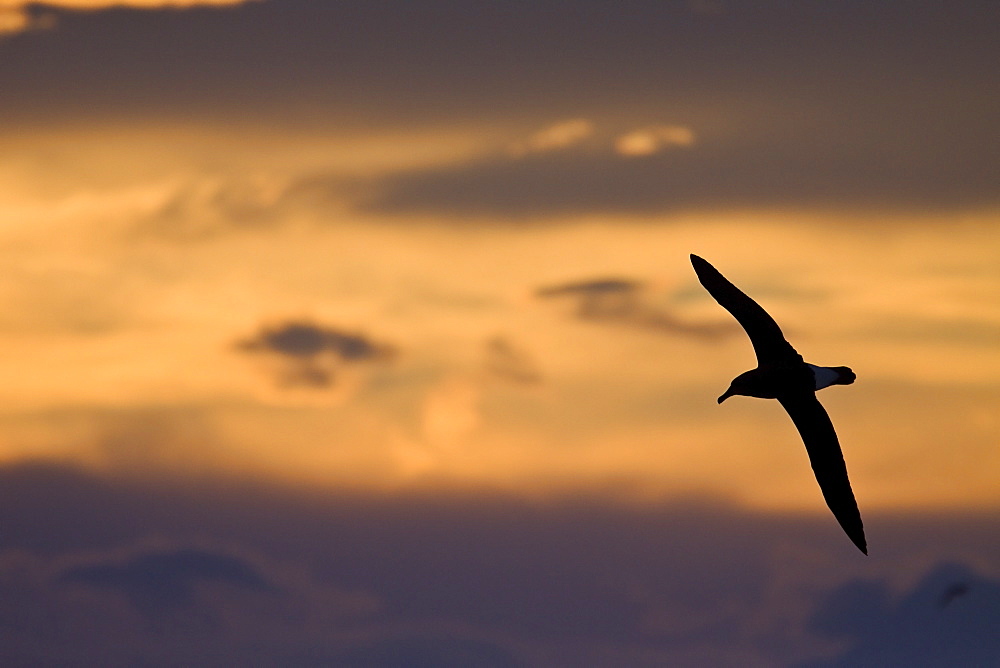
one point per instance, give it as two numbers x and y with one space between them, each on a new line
782 374
956 590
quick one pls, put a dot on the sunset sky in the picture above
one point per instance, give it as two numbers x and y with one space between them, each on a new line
365 333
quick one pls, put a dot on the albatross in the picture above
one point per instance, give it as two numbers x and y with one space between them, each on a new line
782 374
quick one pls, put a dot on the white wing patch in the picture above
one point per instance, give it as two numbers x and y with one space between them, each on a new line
825 376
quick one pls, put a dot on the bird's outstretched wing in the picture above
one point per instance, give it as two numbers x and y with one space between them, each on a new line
827 461
768 342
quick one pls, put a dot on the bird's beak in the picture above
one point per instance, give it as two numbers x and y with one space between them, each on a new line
728 393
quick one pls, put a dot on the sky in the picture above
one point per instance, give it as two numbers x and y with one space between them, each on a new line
365 334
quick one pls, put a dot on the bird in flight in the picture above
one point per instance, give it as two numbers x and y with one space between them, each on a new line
782 374
956 590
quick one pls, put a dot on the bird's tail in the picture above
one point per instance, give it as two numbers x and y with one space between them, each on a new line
844 375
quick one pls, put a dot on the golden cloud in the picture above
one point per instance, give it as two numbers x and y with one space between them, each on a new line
648 141
555 137
15 18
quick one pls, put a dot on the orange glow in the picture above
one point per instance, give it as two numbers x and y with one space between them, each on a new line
113 314
359 333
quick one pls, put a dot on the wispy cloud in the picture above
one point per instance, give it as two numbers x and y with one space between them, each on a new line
508 361
626 302
638 175
209 205
647 141
559 136
22 15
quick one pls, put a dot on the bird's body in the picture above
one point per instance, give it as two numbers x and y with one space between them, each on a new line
782 374
770 381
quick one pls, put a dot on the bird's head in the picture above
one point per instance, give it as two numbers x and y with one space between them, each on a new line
742 385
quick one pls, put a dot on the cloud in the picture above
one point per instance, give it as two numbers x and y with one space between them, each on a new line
834 83
509 362
17 19
449 574
556 137
213 204
915 629
795 167
593 294
627 302
309 354
648 141
787 122
304 339
22 15
163 580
